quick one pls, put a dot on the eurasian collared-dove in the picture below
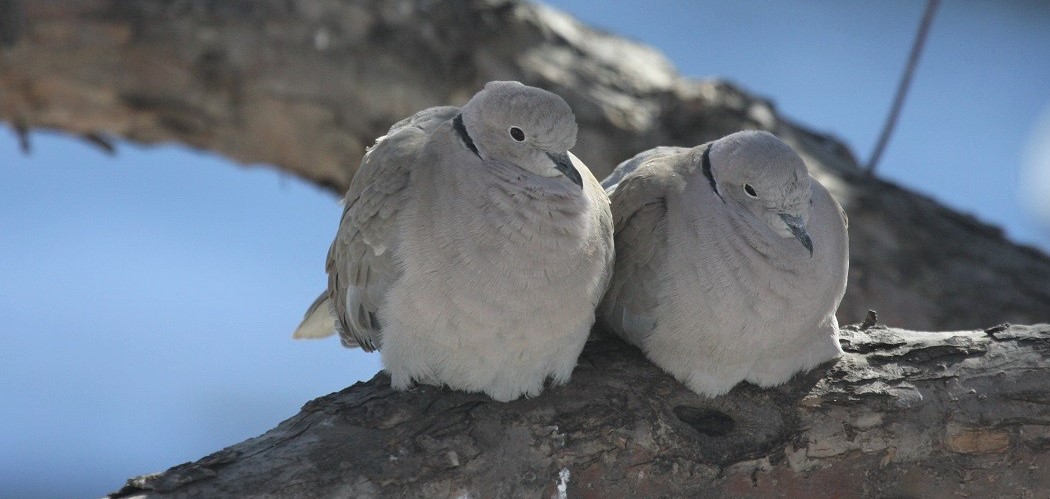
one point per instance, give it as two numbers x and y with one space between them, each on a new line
473 247
730 262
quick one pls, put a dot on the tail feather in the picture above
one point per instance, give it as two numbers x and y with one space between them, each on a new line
319 322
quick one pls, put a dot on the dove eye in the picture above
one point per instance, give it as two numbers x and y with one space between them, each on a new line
517 134
750 190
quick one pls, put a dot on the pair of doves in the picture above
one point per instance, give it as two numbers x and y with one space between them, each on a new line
475 251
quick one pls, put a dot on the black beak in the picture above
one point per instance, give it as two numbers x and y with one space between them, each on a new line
798 229
564 165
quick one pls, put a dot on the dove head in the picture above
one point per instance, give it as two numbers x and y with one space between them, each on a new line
756 172
528 127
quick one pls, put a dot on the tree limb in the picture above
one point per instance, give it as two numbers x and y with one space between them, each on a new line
902 414
905 83
305 85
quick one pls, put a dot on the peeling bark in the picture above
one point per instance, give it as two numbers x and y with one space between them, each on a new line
902 414
305 85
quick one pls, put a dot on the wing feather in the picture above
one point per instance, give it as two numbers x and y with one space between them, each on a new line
361 262
638 189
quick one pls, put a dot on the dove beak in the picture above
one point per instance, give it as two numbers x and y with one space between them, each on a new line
798 229
564 165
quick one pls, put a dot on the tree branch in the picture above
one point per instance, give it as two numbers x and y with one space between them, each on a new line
905 83
306 85
902 414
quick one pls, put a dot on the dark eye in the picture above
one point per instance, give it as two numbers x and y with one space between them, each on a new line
517 134
750 190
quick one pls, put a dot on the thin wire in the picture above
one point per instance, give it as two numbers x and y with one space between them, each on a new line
902 88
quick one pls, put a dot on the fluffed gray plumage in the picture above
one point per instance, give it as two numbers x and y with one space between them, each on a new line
731 261
473 247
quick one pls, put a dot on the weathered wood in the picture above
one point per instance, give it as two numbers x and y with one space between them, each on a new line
305 85
902 414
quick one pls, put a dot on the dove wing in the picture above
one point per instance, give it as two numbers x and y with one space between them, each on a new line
639 209
362 263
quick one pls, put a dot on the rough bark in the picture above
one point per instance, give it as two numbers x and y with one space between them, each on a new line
305 85
902 414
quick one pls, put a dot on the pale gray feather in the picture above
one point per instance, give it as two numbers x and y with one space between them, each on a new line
368 236
710 279
639 209
473 246
632 164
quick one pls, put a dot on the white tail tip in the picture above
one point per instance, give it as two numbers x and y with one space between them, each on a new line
318 321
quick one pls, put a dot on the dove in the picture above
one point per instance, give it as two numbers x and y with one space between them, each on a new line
473 247
731 261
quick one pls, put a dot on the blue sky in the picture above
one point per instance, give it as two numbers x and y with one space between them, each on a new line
148 297
980 89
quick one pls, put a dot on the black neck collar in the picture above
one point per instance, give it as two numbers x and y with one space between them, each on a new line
457 123
705 167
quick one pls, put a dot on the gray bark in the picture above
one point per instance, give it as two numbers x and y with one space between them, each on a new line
902 414
305 85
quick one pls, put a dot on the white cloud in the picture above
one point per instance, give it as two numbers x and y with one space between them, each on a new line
1035 170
